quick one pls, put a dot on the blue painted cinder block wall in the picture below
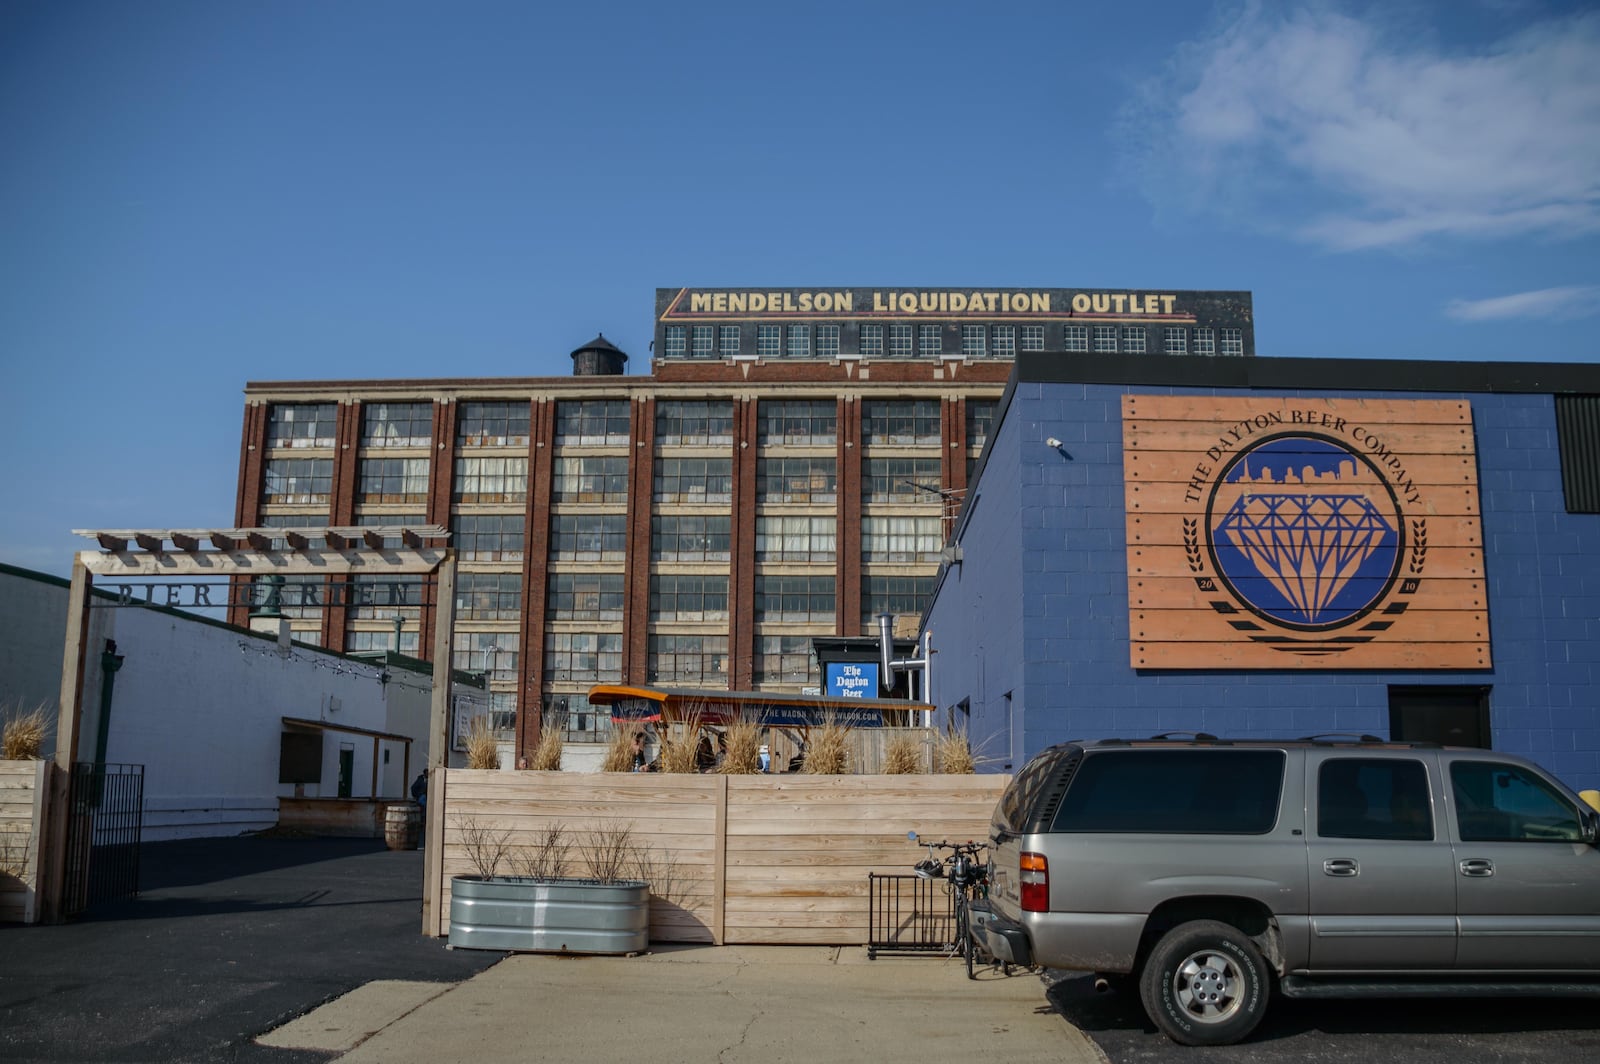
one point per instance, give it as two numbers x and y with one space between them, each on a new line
1031 629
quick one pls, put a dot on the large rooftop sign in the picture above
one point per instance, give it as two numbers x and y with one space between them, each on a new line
684 304
1283 533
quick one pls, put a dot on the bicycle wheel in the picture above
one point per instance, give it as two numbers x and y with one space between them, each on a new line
969 948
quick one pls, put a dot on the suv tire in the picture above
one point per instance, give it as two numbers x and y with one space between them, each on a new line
1205 984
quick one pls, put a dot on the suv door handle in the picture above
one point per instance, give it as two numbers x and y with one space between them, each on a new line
1341 866
1477 867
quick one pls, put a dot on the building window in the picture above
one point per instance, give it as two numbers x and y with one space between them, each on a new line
703 336
491 480
688 597
1578 441
900 340
487 537
676 341
1033 337
799 341
796 480
930 340
1005 341
394 480
585 597
1232 342
383 598
972 341
688 659
590 478
786 659
592 422
579 721
795 539
390 520
799 599
583 657
901 479
493 424
690 538
397 425
980 421
871 341
491 653
696 423
769 340
828 341
1133 339
380 642
901 539
694 480
893 594
1176 341
298 481
588 537
900 421
1204 342
488 596
1075 338
728 340
1105 339
798 422
302 425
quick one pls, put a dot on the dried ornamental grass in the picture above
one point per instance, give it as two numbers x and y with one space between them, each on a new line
828 749
679 748
903 756
23 736
743 757
954 755
483 749
619 751
547 754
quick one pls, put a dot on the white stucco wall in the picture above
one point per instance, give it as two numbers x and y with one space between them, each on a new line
201 705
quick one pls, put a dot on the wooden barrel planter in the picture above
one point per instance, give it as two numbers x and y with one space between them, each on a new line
552 915
402 825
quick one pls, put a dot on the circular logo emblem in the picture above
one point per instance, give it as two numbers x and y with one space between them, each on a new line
1305 532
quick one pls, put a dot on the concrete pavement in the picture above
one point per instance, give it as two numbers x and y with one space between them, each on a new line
695 1004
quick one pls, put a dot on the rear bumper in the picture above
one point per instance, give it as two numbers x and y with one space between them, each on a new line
1006 940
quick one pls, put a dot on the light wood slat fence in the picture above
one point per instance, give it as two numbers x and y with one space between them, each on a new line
775 859
22 787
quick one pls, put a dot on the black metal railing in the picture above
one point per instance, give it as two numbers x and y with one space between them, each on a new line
106 817
909 914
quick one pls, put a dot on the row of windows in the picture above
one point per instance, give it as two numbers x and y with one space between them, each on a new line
926 340
605 422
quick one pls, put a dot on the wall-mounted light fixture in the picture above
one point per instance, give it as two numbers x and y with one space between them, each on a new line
1057 446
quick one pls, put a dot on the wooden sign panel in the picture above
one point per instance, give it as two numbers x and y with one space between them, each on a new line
1285 533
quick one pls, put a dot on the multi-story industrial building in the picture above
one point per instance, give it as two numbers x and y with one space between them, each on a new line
787 469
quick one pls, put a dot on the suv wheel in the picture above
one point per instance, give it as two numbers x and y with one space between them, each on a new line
1205 984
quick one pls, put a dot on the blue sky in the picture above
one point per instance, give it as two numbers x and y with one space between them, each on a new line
198 194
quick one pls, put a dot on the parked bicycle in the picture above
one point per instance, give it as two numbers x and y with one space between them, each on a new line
965 868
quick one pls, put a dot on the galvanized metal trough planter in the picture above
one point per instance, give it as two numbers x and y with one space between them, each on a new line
552 915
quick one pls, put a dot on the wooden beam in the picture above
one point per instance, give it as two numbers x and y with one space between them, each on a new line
372 539
340 541
184 541
247 563
150 543
223 541
296 541
411 539
115 544
259 541
69 720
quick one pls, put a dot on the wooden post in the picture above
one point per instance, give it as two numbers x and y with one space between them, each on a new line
438 745
69 720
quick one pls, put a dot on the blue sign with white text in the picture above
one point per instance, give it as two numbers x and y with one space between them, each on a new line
851 679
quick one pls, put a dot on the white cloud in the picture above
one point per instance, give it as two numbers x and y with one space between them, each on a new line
1336 130
1570 301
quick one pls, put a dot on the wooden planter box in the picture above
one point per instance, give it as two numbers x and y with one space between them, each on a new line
554 915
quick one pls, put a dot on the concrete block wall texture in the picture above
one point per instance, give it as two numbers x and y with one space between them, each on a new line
1542 567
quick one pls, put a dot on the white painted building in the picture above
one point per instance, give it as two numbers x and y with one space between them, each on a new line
202 704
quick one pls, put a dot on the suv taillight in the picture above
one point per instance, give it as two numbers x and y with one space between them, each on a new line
1034 877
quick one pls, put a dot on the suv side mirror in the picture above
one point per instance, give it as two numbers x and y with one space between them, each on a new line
1589 826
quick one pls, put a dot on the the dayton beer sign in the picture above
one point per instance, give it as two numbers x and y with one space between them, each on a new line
1290 533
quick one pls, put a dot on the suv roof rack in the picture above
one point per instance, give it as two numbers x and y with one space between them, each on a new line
1347 737
1197 736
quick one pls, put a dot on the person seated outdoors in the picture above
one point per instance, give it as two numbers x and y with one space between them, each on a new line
641 758
705 759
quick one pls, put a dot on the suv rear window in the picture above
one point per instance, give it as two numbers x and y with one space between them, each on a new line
1191 792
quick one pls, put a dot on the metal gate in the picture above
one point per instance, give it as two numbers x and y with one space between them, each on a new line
909 914
106 809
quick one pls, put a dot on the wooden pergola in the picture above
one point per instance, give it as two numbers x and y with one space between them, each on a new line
177 554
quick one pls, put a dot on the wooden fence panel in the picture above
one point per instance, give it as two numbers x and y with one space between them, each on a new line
733 859
22 790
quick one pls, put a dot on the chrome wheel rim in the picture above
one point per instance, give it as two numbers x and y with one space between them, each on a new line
1207 986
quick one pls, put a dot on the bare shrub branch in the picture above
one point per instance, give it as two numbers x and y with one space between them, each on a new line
486 847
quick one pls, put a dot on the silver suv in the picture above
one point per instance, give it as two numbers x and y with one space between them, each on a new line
1203 871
